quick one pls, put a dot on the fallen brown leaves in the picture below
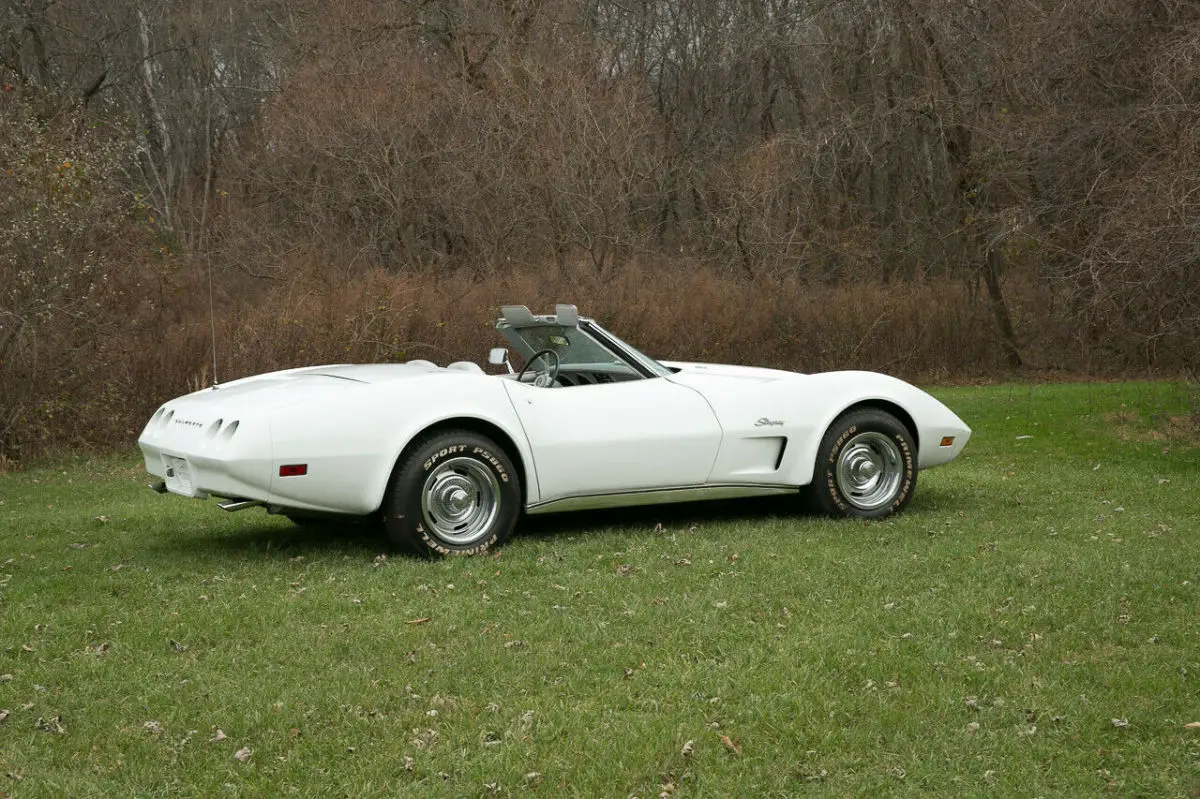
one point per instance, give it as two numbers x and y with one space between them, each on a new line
52 724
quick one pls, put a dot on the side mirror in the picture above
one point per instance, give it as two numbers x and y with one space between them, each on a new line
498 356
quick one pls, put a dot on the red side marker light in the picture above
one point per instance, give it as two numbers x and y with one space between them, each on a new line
948 441
293 470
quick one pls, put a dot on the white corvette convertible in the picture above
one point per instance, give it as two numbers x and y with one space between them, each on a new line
452 456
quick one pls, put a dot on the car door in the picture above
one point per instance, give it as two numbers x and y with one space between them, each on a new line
619 437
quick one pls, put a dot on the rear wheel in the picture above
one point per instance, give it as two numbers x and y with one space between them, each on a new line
455 492
866 466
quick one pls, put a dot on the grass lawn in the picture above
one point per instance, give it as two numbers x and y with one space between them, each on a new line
1030 627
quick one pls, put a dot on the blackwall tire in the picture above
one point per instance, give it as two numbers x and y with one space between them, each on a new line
866 466
455 492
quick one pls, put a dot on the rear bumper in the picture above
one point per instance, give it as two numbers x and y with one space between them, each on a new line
192 474
199 457
202 457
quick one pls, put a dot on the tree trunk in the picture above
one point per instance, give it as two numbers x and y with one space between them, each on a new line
1000 314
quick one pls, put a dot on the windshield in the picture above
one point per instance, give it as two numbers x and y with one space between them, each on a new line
586 347
573 346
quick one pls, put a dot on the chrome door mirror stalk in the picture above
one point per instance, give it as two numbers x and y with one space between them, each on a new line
498 356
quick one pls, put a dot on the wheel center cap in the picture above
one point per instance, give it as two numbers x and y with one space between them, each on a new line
457 500
867 469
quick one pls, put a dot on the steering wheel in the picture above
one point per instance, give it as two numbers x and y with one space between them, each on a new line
544 378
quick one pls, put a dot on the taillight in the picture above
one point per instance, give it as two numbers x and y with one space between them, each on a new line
293 470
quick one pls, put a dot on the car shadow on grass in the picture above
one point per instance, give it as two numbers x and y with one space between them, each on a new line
648 517
936 501
268 537
366 539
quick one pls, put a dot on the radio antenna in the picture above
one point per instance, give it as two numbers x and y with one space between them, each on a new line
212 318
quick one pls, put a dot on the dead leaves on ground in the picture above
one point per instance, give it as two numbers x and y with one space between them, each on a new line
52 725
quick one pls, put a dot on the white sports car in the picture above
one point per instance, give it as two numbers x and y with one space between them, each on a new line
452 456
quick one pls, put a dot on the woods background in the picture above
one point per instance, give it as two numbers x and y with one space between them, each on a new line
942 189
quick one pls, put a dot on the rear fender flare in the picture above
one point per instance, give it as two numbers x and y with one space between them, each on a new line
517 445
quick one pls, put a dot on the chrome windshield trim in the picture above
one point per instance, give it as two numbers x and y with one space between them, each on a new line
642 363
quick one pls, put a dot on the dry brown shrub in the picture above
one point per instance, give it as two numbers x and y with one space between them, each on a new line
674 311
156 342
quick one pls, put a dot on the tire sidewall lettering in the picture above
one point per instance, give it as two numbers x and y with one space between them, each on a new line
841 442
493 461
906 486
479 453
435 544
444 452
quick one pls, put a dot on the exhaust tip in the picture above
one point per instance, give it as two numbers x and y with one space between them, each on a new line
234 505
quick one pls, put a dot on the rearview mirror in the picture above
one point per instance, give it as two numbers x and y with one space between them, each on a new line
498 356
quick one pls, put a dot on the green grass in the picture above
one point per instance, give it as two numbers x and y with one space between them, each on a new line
981 643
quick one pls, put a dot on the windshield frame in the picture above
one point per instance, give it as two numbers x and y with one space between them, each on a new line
643 363
640 364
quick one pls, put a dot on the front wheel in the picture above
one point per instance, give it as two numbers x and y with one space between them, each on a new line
866 466
455 492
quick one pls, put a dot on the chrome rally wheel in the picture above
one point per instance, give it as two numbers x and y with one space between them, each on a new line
869 470
866 466
460 500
